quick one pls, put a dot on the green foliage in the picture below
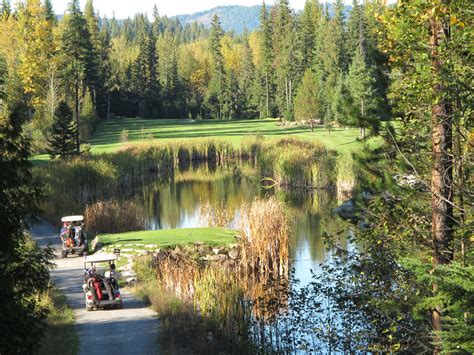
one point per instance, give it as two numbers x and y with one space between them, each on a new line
64 131
308 101
360 83
23 265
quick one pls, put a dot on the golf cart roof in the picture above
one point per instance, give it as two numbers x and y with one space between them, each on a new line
72 219
99 258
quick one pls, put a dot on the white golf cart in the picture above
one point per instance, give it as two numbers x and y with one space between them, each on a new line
101 289
73 237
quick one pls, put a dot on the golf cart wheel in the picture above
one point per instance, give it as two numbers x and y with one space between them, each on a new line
64 254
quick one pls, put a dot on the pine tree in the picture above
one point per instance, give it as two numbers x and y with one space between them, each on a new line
267 60
215 95
341 103
308 102
23 266
64 131
284 47
49 12
156 22
76 48
246 80
107 79
93 57
309 29
144 84
5 8
331 54
167 69
361 83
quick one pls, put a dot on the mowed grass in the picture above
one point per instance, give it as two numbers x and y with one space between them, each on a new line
170 237
108 133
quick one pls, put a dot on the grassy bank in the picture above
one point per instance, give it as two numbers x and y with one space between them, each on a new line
289 162
60 336
169 237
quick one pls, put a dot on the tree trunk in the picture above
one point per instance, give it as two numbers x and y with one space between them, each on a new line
442 171
268 96
459 180
108 104
76 111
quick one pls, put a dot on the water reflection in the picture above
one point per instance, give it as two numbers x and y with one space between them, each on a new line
176 204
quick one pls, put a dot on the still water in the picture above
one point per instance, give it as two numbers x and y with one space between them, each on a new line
176 204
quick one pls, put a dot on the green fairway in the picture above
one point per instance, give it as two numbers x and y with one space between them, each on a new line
107 135
169 237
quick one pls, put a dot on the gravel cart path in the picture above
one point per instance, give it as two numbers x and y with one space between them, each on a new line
131 330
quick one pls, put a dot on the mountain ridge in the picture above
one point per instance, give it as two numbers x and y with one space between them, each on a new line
233 17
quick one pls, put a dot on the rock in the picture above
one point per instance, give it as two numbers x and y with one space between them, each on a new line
215 257
128 274
234 254
220 250
131 281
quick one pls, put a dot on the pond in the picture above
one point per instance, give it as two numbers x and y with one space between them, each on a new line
176 204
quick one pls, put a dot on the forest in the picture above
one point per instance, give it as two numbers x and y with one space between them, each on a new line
327 109
297 66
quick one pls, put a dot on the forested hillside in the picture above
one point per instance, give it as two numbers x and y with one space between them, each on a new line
163 69
233 18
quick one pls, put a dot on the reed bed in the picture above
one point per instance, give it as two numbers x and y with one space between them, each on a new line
216 215
195 301
115 216
265 230
346 176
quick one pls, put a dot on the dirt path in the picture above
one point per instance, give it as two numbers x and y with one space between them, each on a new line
131 330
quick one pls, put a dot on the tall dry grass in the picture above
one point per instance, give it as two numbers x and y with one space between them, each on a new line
115 216
265 231
215 215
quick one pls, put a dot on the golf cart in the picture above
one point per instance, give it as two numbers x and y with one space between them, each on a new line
73 237
101 290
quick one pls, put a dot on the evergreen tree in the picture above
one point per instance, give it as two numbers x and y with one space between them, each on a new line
341 103
309 29
107 79
144 84
246 80
49 12
156 22
63 133
266 77
284 46
93 55
5 8
360 82
76 48
167 68
23 266
308 102
332 55
215 95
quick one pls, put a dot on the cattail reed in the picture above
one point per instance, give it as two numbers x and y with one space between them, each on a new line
114 216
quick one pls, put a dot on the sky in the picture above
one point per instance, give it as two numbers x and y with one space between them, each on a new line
127 8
